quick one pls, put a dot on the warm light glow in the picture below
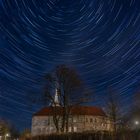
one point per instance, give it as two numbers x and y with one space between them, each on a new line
7 135
136 122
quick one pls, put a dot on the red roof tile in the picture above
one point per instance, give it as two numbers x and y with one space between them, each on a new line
77 110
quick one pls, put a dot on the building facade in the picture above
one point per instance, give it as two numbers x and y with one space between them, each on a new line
82 118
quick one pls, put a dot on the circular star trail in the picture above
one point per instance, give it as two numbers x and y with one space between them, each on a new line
101 38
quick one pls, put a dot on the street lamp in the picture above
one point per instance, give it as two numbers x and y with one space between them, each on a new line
136 123
7 135
137 127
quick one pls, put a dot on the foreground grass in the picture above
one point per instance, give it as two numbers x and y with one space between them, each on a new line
127 135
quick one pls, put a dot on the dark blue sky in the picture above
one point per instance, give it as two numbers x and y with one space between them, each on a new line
100 38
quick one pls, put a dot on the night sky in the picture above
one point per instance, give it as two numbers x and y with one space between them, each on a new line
100 38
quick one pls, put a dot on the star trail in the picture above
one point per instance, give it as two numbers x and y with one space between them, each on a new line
100 38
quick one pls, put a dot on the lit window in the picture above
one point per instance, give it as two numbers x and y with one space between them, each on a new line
51 128
70 129
75 129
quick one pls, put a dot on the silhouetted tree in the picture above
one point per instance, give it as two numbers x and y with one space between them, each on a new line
8 127
4 127
71 92
137 101
135 112
113 109
14 132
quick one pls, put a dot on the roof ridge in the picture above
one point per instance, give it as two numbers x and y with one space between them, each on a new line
77 110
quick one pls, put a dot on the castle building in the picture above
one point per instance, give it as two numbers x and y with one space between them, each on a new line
82 118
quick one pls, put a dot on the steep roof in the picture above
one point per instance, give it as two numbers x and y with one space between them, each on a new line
75 110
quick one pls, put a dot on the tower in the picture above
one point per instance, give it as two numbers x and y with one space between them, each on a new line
56 98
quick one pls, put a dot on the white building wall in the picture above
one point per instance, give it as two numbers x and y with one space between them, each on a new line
42 125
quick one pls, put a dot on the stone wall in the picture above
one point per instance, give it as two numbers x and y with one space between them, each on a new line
42 125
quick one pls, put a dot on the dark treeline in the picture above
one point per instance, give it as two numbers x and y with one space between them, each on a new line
127 135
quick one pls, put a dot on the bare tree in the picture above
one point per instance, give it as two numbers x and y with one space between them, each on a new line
135 112
137 100
113 108
7 127
70 90
4 127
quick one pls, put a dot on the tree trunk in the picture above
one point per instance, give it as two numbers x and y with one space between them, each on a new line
63 121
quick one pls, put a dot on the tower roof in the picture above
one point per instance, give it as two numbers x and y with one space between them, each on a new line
56 98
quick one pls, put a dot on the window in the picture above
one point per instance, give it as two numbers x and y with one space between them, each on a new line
35 123
74 119
75 129
39 130
49 121
45 122
86 119
47 129
105 125
43 130
80 118
95 120
70 119
91 120
70 129
51 128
